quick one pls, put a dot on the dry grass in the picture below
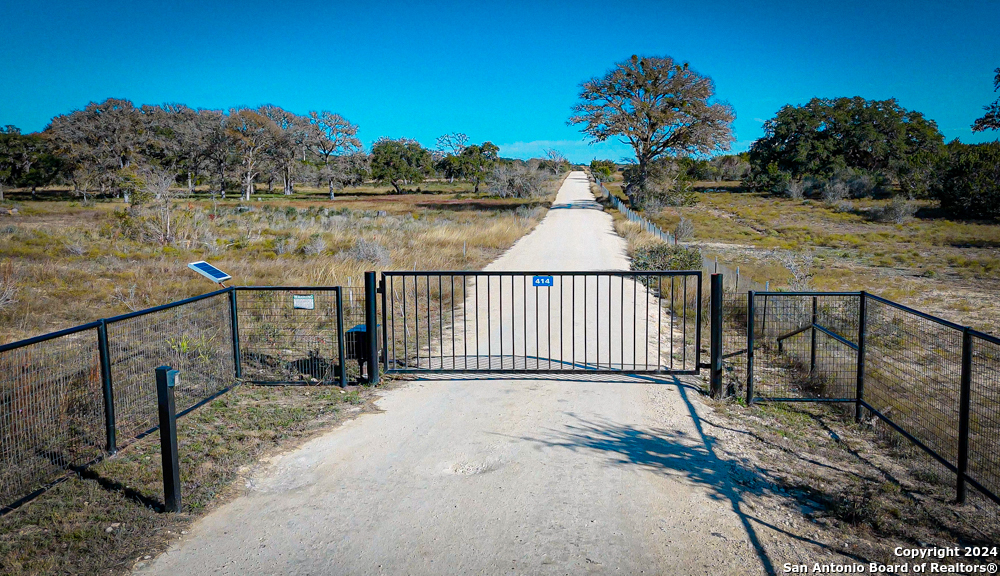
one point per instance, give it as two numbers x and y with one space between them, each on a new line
945 267
77 264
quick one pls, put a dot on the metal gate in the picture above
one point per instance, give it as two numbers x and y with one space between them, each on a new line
534 322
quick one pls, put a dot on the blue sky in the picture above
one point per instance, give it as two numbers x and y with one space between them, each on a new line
507 72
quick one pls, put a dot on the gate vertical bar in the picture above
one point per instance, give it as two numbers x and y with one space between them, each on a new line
697 326
341 355
371 327
715 387
963 416
812 340
108 388
750 319
859 394
234 327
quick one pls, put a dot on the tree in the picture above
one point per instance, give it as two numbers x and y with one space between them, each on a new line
829 135
477 162
452 144
220 145
336 142
26 160
969 184
105 137
555 161
656 106
252 133
290 141
602 169
991 120
398 162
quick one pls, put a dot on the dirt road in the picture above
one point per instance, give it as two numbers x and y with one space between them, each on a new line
567 474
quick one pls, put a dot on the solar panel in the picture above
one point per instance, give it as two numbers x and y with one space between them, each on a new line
209 271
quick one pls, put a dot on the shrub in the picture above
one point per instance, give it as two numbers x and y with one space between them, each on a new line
795 189
898 210
8 286
315 246
371 252
514 181
684 229
663 256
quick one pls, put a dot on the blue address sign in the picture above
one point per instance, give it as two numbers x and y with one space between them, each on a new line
543 281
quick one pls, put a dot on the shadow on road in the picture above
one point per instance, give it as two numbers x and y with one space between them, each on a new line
676 452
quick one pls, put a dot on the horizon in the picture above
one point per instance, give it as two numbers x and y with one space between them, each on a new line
507 74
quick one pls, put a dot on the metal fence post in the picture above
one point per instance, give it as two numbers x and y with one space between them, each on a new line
859 394
715 353
234 327
165 380
340 337
107 386
371 326
812 340
963 415
750 315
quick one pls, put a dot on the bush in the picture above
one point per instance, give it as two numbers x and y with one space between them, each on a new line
898 210
795 189
684 230
663 256
514 181
969 185
371 252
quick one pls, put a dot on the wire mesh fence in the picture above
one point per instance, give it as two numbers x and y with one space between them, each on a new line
913 369
913 376
193 336
805 345
984 411
291 335
71 397
51 410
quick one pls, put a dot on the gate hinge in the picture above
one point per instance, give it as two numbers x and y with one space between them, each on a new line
381 287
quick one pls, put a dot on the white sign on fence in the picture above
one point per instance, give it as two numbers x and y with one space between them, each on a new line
303 302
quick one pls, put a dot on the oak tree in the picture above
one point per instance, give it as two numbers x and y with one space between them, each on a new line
658 107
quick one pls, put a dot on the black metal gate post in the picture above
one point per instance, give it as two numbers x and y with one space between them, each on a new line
107 386
165 381
859 394
963 415
234 327
341 355
750 315
812 342
715 352
371 326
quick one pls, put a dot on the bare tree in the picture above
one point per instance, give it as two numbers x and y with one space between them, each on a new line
253 133
656 106
336 142
453 143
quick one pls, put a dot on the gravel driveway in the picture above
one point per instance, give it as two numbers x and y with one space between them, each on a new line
565 474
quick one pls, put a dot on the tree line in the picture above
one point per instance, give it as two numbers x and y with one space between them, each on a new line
670 117
114 145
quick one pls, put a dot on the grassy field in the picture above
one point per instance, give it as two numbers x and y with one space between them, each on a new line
75 263
945 267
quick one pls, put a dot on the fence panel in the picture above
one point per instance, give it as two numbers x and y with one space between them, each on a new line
51 410
290 335
192 336
805 345
913 369
984 409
